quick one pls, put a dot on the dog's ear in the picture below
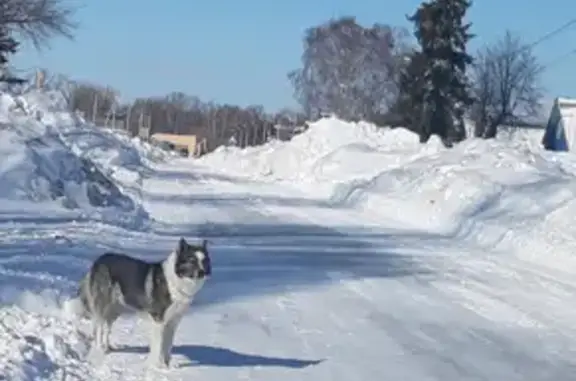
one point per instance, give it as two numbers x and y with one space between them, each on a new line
182 245
204 244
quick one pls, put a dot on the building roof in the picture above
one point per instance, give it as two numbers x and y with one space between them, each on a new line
565 102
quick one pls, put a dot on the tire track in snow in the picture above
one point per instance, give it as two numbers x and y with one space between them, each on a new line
451 340
340 329
529 297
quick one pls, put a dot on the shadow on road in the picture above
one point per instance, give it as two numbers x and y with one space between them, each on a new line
203 355
248 259
252 259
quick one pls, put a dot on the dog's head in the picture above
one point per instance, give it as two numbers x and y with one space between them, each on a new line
192 261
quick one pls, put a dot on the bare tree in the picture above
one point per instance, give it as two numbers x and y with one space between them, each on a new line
96 102
180 113
402 51
37 21
289 117
55 81
178 105
346 70
506 79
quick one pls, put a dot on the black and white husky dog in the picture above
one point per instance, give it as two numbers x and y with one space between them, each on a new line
118 284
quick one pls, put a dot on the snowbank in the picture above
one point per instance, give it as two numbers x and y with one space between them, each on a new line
320 153
448 192
123 159
498 193
37 342
48 154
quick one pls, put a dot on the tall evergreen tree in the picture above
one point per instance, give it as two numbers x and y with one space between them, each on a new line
408 108
440 92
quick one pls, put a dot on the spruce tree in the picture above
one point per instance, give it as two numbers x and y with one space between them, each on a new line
409 104
444 93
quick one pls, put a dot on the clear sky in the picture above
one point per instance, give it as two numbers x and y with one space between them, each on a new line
240 51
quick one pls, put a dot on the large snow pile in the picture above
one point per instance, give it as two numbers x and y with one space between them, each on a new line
42 159
467 191
448 191
124 159
327 149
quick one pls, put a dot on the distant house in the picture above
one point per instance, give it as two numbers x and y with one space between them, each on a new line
560 133
186 145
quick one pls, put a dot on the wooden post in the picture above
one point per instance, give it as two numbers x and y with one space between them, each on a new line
94 108
128 116
144 126
40 79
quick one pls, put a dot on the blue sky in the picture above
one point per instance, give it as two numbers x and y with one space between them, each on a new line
240 51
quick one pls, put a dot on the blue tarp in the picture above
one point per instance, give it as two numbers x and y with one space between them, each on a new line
555 137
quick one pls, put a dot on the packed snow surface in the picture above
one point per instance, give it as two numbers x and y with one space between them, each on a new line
348 253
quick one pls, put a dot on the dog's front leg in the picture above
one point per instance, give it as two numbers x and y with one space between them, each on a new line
156 356
171 326
169 339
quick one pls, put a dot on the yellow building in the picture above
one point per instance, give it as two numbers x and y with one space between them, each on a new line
186 145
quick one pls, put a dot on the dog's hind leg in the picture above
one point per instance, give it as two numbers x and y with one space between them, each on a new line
112 313
101 326
98 328
103 336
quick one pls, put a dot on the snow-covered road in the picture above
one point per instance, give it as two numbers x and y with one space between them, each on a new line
295 298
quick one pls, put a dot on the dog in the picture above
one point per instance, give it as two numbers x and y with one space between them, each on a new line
118 284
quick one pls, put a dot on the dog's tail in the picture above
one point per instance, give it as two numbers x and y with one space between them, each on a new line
78 306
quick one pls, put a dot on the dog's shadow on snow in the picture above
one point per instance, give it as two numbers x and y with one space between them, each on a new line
203 355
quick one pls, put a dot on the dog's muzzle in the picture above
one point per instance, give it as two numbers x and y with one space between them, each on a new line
203 273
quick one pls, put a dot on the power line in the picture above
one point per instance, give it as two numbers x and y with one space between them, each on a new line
549 35
552 34
558 60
